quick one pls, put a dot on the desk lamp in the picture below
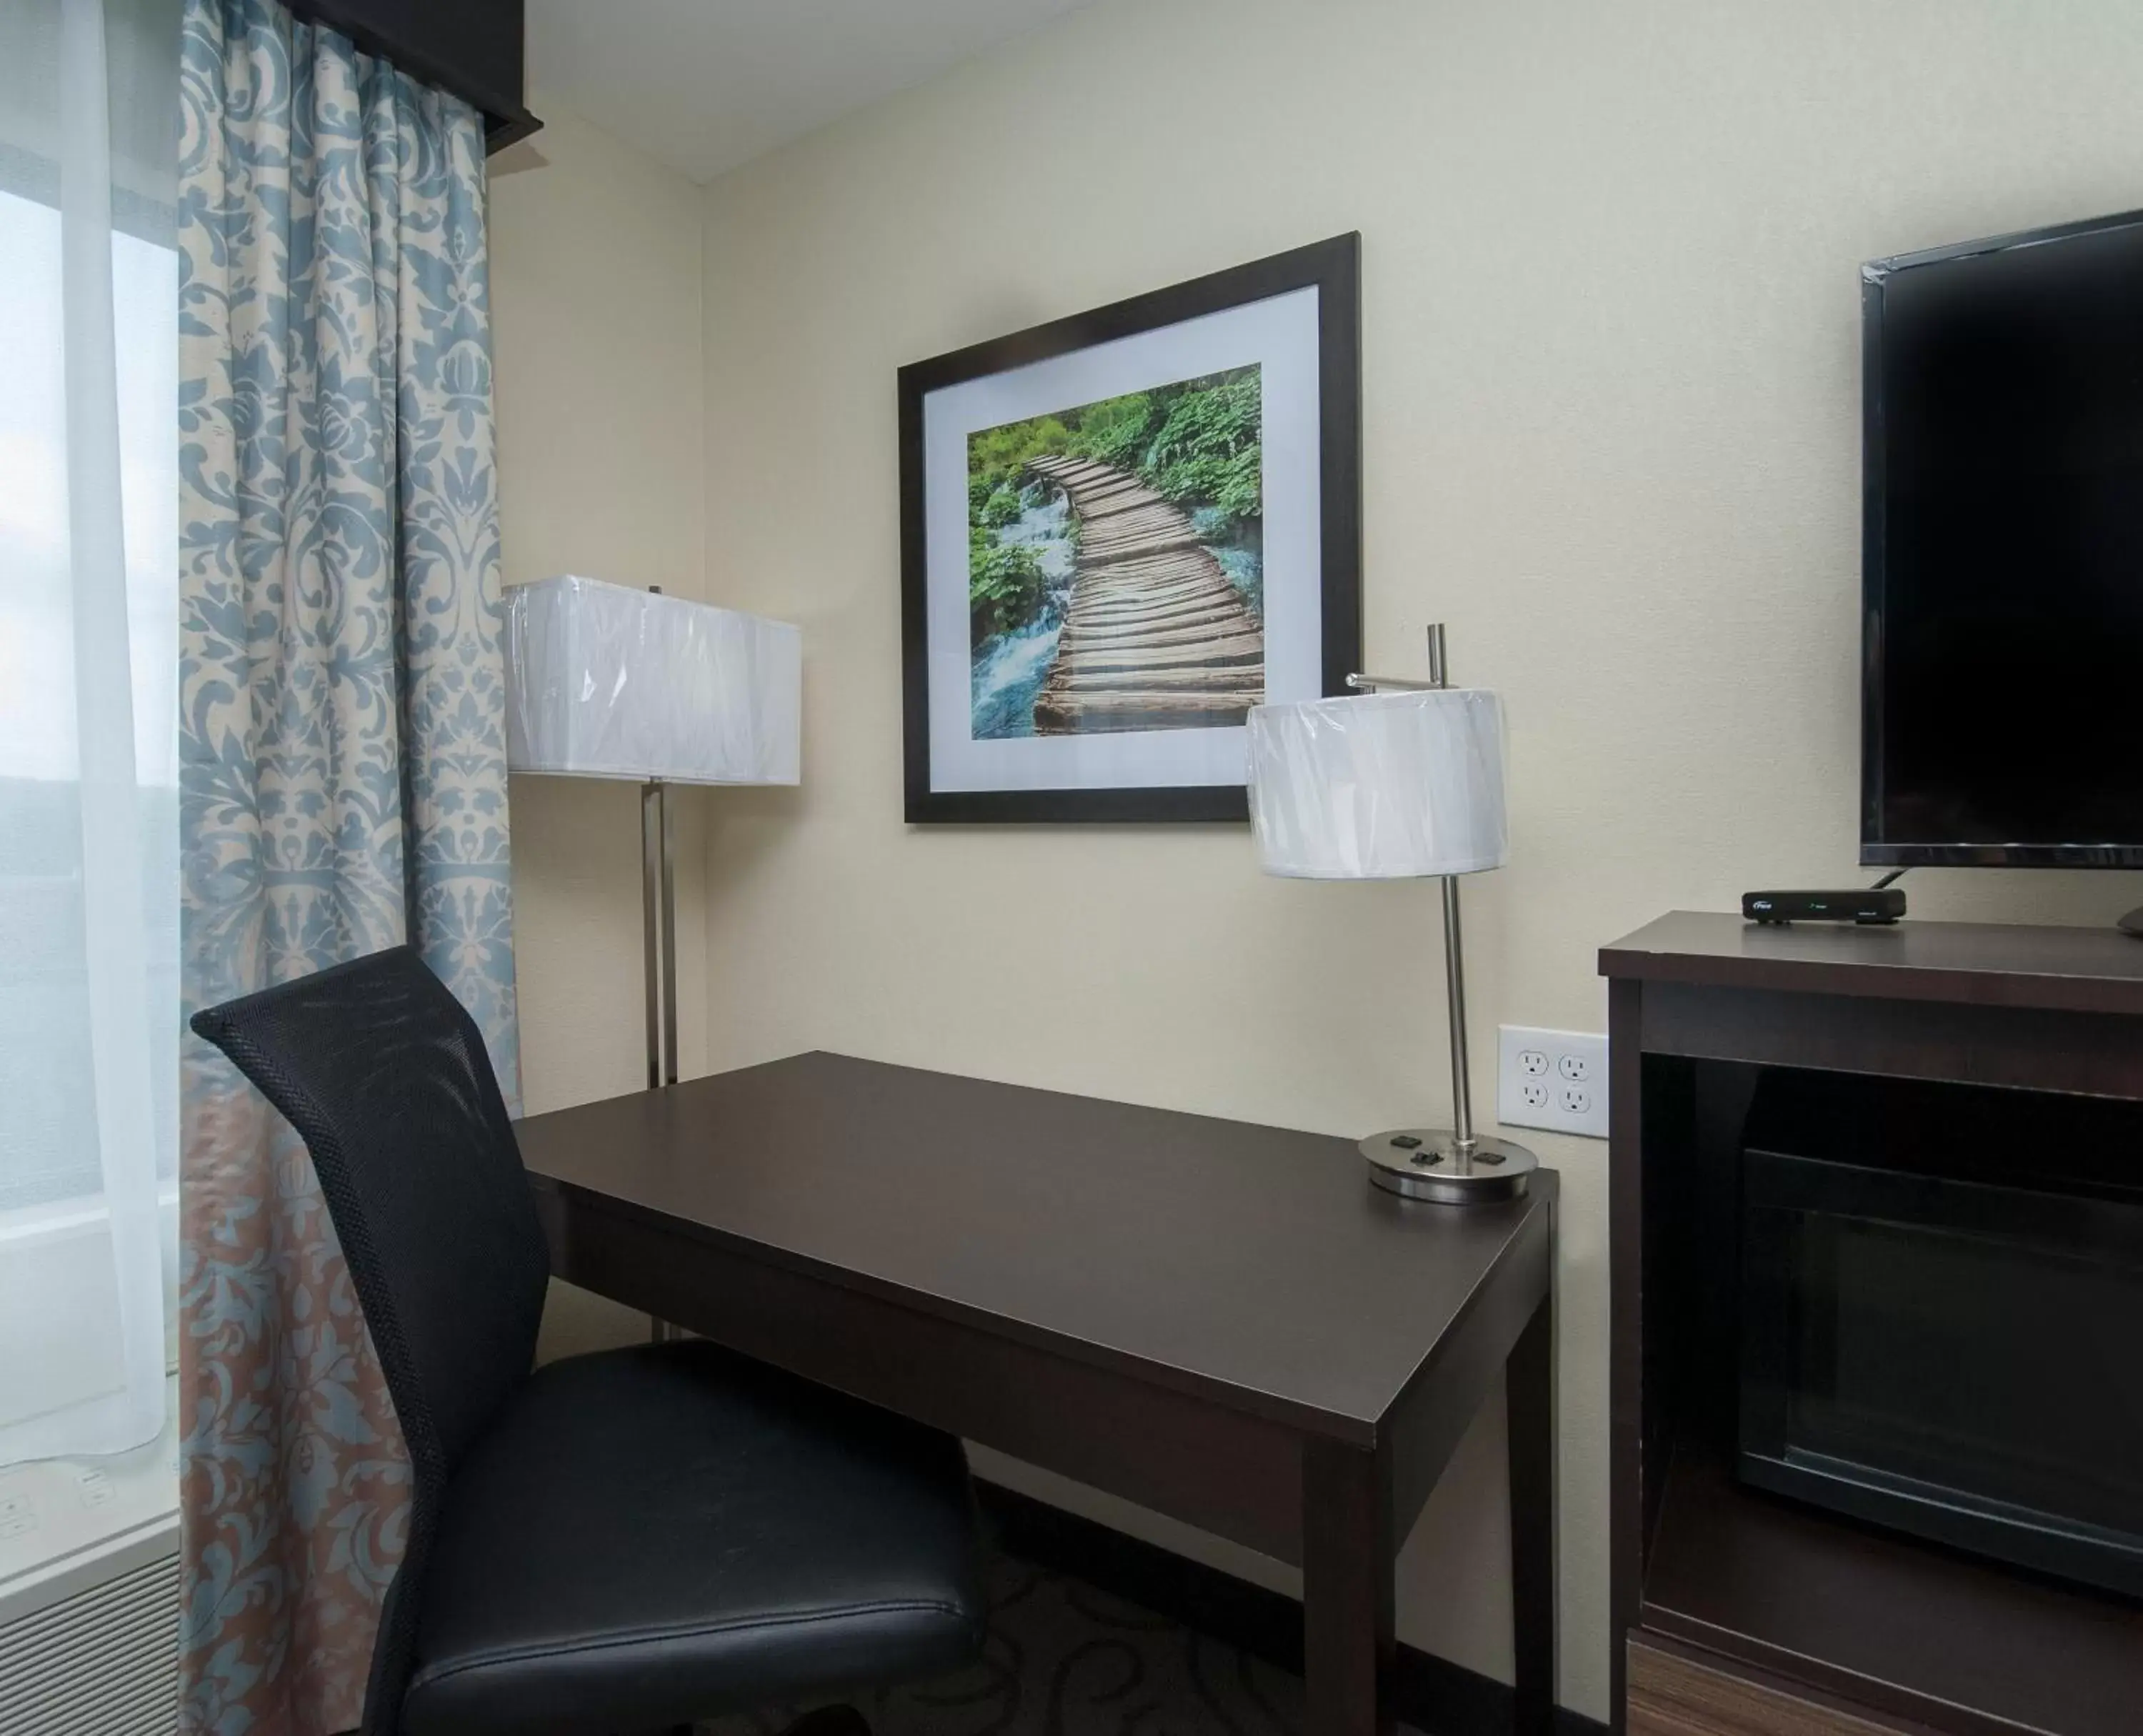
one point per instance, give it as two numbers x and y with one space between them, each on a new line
1404 781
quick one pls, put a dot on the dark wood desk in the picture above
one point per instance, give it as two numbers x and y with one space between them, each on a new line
1222 1321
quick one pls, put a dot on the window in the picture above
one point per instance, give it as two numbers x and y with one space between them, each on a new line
89 994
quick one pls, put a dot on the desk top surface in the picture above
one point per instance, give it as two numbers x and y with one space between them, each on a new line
1250 1264
1995 964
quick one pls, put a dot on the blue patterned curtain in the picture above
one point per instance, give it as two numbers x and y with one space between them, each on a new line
341 780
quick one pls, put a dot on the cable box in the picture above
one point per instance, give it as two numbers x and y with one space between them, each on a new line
1869 904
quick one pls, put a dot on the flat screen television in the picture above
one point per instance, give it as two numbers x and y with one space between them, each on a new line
2002 717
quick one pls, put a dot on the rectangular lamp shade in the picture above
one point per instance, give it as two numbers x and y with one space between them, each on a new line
605 682
1384 786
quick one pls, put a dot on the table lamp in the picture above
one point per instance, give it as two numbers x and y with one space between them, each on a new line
605 682
1403 781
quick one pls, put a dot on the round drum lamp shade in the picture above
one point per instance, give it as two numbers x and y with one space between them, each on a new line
1385 786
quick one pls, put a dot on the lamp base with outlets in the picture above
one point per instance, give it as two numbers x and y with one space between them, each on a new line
1425 1163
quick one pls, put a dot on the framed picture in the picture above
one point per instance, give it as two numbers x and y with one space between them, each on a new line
1119 532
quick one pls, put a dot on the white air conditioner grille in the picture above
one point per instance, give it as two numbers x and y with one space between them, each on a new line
102 1662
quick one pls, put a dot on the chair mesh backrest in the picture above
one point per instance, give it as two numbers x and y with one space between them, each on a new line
386 1080
385 1077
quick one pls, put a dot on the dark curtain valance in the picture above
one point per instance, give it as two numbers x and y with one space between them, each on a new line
472 48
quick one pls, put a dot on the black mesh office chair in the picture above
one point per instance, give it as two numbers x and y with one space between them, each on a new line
622 1542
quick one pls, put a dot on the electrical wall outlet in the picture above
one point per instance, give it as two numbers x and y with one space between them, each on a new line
1552 1079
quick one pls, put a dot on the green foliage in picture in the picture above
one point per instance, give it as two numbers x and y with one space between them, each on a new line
1207 451
1000 507
996 456
1115 430
1006 588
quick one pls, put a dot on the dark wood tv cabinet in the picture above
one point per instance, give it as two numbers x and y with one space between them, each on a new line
1737 1612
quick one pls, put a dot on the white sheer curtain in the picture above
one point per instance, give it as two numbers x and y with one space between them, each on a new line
88 722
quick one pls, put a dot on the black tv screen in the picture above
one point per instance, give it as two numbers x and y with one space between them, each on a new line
2003 709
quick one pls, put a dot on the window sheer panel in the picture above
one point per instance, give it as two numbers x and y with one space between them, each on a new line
88 758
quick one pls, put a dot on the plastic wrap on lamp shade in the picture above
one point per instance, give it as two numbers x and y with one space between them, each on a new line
605 682
1384 786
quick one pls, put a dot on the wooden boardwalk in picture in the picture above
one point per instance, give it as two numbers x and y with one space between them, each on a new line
1155 636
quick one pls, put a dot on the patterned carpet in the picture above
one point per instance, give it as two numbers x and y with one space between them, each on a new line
1065 1659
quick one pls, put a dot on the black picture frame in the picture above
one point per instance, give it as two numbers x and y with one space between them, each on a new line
1333 268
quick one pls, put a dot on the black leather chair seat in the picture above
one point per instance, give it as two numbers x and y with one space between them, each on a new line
649 1535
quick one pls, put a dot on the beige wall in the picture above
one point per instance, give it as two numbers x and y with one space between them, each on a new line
596 334
1611 429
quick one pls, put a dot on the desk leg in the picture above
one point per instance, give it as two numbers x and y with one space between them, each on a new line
1529 1404
1348 1645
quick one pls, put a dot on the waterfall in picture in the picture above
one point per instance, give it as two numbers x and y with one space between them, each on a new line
1009 667
1238 546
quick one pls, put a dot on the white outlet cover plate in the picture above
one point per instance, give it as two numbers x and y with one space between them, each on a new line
1571 1064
